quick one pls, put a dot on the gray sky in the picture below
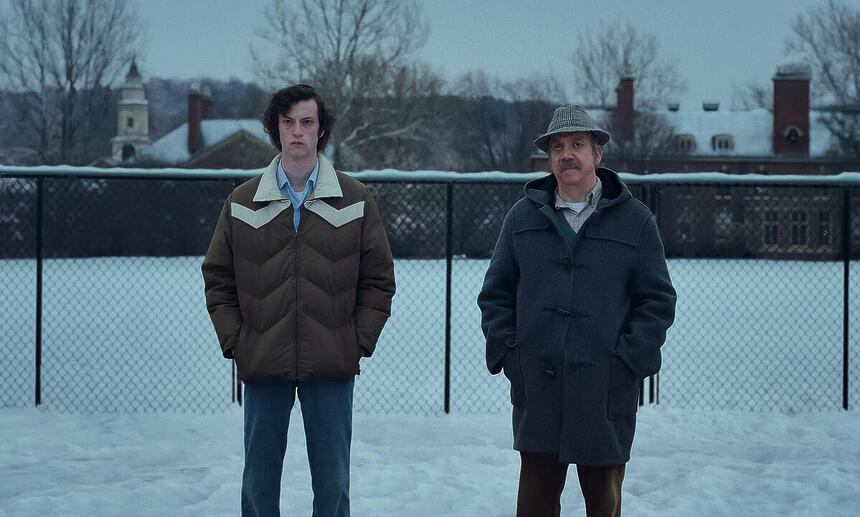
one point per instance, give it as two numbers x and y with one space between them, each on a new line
718 44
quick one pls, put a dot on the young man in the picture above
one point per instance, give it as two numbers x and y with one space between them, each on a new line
575 307
299 280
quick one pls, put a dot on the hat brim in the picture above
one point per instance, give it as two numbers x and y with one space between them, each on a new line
598 135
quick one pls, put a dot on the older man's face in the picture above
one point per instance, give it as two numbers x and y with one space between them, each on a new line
573 161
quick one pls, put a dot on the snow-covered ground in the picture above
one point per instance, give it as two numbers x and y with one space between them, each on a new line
132 334
130 362
685 463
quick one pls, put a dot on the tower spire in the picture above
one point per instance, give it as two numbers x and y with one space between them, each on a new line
132 132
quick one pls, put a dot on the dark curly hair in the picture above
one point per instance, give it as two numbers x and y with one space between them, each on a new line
281 103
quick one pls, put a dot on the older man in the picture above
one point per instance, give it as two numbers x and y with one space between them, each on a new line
575 307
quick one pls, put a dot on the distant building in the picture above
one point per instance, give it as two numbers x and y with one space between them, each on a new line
206 143
789 140
721 220
132 128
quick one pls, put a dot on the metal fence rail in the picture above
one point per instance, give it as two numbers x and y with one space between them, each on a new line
103 307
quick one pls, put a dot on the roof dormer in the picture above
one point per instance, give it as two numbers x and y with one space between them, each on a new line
722 142
685 143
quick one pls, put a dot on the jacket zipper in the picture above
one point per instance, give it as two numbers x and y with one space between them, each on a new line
296 298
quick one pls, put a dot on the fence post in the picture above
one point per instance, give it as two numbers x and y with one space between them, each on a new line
39 191
846 266
449 256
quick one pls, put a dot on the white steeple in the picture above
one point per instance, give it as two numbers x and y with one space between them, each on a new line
132 132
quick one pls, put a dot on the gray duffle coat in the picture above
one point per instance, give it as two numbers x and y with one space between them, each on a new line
576 320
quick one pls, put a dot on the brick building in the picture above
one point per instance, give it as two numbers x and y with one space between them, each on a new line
206 143
742 220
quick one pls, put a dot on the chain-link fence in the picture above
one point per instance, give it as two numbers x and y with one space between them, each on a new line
762 309
104 306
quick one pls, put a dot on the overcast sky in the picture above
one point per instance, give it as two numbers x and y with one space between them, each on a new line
718 44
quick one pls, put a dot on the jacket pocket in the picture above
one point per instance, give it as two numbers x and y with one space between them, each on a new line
626 234
239 347
352 352
514 373
623 390
239 350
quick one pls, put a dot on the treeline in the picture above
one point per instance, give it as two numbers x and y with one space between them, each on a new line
438 131
167 98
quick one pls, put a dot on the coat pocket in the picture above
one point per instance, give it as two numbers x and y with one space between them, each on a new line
514 373
354 352
623 390
240 346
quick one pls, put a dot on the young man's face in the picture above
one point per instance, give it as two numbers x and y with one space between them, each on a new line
572 159
299 130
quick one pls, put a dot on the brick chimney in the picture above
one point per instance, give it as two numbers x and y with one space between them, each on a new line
624 109
791 110
195 112
208 104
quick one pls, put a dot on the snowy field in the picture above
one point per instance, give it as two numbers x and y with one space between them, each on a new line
685 463
137 418
132 335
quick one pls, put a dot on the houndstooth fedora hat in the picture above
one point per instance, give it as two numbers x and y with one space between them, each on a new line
571 119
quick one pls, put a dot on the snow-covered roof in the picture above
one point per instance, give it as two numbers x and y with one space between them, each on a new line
172 148
751 130
821 141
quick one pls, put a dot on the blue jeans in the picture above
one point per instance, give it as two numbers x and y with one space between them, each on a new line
327 415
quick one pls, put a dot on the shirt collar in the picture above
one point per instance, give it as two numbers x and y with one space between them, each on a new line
281 177
591 199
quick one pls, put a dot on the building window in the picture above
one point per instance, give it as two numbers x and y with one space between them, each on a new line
724 192
722 142
129 122
722 225
685 143
792 133
127 151
771 228
761 193
823 228
798 228
684 226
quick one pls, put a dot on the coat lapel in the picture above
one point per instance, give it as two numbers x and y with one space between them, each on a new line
565 232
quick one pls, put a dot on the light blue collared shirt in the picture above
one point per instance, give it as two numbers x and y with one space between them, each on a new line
287 190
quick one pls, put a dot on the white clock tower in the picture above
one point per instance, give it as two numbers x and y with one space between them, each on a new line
132 131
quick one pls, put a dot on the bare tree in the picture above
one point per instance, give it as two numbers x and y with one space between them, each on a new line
353 51
63 56
828 38
653 138
543 88
752 95
486 142
500 119
602 58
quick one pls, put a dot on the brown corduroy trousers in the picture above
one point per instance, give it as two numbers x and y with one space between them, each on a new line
542 480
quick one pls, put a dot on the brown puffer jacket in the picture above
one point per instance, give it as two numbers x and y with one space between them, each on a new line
304 304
